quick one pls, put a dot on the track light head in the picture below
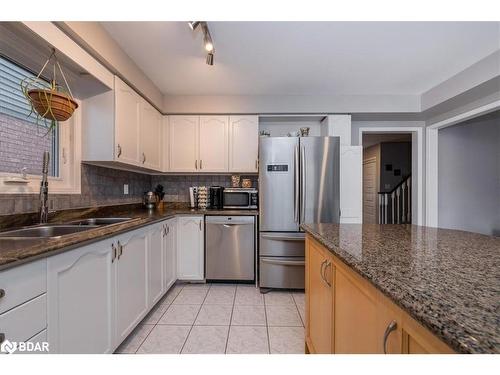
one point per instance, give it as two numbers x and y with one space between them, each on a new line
194 24
210 59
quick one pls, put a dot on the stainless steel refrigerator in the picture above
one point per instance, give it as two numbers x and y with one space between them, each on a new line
298 183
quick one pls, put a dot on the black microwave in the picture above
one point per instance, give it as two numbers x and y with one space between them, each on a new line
241 198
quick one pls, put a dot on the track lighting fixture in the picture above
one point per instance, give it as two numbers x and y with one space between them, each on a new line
208 44
193 24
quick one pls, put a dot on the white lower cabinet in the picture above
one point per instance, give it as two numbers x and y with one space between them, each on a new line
131 281
170 253
80 290
156 260
190 252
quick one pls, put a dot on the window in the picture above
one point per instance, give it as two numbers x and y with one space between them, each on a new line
23 140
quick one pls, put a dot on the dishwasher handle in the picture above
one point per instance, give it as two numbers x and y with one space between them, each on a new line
230 220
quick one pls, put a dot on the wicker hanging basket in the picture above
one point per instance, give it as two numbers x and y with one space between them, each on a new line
49 101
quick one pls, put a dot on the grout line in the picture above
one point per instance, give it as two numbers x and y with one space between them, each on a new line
298 311
267 325
230 319
154 325
194 321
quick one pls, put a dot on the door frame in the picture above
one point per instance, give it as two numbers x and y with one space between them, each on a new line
368 161
418 185
432 157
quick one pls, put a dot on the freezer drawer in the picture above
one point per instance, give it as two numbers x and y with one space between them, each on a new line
282 272
230 248
282 244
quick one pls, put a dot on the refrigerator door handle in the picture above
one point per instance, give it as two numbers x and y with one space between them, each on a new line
296 178
281 237
302 184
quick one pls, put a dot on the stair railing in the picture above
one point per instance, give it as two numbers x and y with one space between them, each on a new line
394 207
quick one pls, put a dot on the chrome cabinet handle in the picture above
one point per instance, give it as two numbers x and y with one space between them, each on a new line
256 164
164 230
328 264
2 337
119 148
2 293
200 225
120 250
113 256
168 228
196 164
201 163
391 327
143 158
321 270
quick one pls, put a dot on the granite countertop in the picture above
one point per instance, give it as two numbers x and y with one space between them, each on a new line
14 253
448 280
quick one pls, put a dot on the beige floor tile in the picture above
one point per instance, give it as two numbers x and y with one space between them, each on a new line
165 339
302 312
286 340
247 340
253 315
204 286
283 316
180 315
135 339
190 297
248 295
155 314
214 315
224 286
278 298
299 297
206 340
220 296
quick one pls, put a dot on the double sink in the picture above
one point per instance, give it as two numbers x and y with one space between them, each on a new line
50 231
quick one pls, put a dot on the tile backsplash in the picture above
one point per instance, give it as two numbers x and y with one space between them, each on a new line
177 187
104 186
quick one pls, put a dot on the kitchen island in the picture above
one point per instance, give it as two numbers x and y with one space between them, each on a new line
402 289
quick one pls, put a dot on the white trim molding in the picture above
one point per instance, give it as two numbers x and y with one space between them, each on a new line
418 185
432 157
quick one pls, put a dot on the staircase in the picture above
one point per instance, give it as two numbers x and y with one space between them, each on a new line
394 207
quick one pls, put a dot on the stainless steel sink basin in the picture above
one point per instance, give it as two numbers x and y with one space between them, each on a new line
45 231
100 221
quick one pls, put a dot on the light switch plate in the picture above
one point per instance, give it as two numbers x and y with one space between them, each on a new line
125 189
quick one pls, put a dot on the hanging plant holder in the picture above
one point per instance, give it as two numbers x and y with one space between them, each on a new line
49 101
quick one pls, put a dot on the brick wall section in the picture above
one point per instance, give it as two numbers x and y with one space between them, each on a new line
22 144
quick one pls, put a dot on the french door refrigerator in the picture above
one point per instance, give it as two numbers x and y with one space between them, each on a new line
298 183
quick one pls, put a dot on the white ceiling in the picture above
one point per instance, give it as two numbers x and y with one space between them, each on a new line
305 58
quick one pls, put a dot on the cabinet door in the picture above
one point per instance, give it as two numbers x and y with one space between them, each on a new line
213 141
127 109
190 260
156 261
165 149
170 251
355 310
319 300
243 143
131 282
150 136
183 143
80 293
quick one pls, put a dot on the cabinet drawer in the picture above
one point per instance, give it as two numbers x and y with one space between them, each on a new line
20 284
25 321
282 272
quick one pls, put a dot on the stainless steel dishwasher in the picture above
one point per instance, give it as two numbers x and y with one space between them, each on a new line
230 248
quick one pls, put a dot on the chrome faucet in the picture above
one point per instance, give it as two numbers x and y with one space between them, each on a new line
44 190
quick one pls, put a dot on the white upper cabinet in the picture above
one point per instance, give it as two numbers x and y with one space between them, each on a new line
127 117
243 143
121 127
183 142
150 141
213 141
165 147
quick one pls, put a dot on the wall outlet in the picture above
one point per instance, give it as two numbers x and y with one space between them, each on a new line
125 189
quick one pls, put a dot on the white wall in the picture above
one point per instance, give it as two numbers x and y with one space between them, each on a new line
469 175
355 125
